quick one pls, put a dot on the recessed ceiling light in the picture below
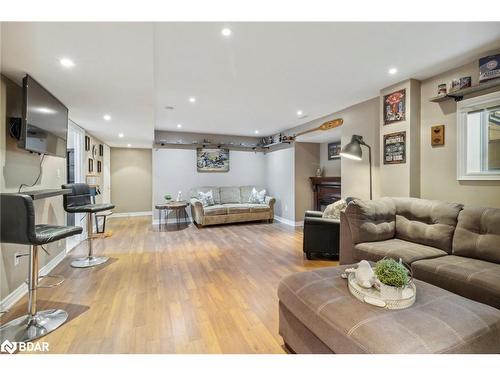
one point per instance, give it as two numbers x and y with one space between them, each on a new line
393 70
121 135
129 145
192 99
256 132
106 117
67 63
300 113
179 126
226 31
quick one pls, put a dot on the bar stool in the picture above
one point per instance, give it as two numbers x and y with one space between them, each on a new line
79 201
18 226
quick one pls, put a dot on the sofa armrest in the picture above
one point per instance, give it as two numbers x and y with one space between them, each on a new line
309 213
373 220
197 210
321 221
270 201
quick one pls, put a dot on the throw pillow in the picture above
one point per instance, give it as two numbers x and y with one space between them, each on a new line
207 199
257 196
332 211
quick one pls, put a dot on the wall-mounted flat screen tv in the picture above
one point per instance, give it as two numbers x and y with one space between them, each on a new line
44 121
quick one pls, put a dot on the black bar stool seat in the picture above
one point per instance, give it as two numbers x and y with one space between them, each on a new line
79 201
18 226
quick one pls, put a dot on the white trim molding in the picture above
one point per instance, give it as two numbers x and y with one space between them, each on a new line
289 222
463 108
22 289
129 214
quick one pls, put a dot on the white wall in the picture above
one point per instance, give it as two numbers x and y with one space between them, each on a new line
331 168
280 180
175 169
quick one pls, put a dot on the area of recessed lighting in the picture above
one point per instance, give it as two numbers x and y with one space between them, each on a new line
106 117
226 31
179 126
192 99
300 112
129 145
121 135
393 70
67 63
256 132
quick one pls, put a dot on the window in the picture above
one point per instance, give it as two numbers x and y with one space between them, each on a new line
478 149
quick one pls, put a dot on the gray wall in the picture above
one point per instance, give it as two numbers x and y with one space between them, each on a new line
131 179
331 168
175 170
306 163
17 167
439 164
280 179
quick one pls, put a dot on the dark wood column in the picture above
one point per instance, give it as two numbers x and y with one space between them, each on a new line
326 190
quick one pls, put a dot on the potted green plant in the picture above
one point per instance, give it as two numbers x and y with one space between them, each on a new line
168 197
393 277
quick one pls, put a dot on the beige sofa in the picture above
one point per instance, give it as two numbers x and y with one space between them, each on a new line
231 206
446 244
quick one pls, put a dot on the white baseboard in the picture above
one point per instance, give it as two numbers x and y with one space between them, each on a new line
129 214
289 222
22 289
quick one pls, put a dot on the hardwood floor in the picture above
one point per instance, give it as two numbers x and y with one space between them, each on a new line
209 290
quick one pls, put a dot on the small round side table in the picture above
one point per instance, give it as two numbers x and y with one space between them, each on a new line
175 206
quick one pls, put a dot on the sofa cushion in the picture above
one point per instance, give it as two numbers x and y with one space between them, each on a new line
478 234
258 207
237 208
215 192
395 248
218 209
471 278
371 220
230 194
246 191
426 222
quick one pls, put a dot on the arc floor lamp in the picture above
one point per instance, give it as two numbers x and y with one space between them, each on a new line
353 151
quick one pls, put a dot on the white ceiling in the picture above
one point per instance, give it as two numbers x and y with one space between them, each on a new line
113 73
256 79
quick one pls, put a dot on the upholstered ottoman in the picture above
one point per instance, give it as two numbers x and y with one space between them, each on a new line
319 315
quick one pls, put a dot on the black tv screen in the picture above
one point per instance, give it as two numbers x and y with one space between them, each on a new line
45 120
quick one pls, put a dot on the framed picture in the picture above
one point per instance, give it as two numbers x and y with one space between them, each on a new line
212 159
395 107
87 143
101 150
91 165
99 166
395 148
334 150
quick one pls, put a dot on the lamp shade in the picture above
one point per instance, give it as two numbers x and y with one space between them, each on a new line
352 150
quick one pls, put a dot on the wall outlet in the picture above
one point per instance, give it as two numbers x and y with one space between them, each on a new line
17 258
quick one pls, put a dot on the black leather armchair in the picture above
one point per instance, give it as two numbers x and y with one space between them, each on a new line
321 236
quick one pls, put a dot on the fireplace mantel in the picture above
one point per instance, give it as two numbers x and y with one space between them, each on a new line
327 190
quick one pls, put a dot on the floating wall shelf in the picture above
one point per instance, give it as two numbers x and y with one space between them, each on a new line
458 95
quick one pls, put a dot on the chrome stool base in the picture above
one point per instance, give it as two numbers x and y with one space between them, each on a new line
27 328
89 261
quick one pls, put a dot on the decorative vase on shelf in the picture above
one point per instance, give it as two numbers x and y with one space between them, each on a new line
179 196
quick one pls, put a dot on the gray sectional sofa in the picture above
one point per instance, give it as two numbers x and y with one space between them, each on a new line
231 206
449 245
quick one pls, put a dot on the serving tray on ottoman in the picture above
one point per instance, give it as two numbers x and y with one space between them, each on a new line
318 314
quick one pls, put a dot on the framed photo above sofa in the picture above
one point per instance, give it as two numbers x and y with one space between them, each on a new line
212 160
